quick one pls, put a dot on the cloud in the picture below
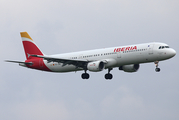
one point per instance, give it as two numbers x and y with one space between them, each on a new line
82 110
123 101
39 110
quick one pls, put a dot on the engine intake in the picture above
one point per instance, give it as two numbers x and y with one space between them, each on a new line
95 66
130 68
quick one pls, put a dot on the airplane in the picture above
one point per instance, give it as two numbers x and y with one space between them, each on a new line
127 58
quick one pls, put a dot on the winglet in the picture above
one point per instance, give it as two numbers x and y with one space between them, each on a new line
26 35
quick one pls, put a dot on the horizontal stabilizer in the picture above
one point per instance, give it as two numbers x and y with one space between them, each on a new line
29 63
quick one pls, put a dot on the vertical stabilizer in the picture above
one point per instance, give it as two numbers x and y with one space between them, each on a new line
30 47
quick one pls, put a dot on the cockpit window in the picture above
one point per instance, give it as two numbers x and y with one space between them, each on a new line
162 47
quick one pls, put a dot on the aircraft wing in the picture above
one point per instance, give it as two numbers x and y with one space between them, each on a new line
77 63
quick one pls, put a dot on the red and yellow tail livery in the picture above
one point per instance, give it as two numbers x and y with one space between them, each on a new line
30 47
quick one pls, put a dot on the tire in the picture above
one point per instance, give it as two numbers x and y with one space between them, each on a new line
83 76
108 76
157 69
87 76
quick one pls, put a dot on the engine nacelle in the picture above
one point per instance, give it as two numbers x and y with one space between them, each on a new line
95 66
130 68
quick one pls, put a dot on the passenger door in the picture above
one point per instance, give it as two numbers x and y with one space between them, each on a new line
119 54
150 48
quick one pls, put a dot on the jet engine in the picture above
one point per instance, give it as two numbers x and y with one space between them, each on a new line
95 66
130 68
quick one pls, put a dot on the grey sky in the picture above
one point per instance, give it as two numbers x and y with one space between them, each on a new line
60 26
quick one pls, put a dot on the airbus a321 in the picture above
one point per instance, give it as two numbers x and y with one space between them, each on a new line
127 58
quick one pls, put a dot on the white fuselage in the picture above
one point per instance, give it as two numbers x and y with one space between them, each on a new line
115 56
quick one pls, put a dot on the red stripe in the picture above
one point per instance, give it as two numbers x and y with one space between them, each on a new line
38 63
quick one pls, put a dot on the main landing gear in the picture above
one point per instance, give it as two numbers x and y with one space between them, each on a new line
85 75
108 75
156 64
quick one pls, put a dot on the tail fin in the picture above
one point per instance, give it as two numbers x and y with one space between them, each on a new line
30 47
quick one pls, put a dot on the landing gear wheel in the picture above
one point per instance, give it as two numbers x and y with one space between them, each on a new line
157 69
156 64
108 76
85 76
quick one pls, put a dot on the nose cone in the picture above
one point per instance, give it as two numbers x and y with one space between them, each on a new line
172 53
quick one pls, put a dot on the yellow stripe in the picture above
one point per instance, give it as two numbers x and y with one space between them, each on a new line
26 35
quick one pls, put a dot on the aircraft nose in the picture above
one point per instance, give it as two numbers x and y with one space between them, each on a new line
172 52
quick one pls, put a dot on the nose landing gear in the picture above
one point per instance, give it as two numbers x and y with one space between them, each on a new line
156 64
